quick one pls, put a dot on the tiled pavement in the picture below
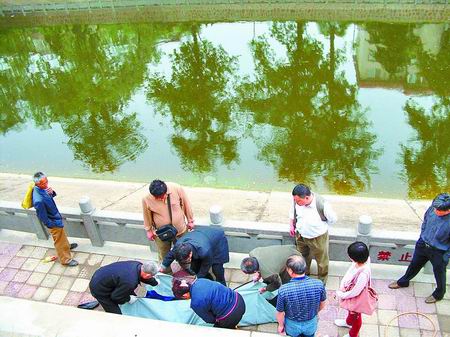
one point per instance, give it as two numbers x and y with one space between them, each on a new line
23 274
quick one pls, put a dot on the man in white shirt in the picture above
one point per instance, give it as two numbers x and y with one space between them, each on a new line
310 217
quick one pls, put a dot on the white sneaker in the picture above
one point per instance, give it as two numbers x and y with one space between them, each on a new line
342 323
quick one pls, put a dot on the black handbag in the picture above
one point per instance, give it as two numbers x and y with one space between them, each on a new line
167 232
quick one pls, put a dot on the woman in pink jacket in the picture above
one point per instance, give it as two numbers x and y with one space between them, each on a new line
360 268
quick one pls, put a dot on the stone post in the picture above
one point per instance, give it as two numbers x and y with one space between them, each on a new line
216 215
364 229
39 228
87 210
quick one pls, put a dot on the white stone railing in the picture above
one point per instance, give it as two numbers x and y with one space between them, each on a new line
389 247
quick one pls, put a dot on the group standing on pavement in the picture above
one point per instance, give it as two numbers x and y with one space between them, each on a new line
169 221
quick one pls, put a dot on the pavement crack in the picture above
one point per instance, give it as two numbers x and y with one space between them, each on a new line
260 213
123 197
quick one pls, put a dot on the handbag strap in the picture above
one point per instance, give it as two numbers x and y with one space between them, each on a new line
169 206
360 270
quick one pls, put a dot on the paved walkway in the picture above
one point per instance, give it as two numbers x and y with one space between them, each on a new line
272 207
24 275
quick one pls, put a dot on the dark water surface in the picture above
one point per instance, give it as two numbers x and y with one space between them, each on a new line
358 109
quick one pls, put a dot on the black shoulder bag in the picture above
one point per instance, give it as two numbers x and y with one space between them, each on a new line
167 232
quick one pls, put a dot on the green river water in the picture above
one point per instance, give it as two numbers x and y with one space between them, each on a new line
350 108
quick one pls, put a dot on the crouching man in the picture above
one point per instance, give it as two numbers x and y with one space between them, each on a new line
212 301
115 283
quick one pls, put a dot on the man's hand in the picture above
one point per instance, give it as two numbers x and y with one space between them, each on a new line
190 225
292 229
262 290
281 330
163 269
151 236
132 299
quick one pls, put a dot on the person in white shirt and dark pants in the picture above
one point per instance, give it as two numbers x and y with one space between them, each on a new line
310 217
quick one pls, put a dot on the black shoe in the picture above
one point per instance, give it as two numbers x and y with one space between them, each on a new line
73 246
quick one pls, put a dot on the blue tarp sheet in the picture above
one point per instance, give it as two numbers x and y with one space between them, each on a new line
258 310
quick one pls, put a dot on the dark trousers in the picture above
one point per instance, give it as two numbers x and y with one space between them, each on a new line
105 301
108 305
232 320
439 261
217 270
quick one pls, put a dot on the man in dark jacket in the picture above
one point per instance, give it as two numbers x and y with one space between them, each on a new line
115 283
48 214
211 301
199 250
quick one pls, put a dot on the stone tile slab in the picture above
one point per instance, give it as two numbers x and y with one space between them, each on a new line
25 251
443 307
50 281
3 285
405 332
57 269
16 262
369 330
87 272
392 331
108 259
425 307
408 321
426 324
444 323
72 271
57 296
42 293
30 264
12 289
406 304
44 267
80 285
370 319
269 327
8 274
387 301
72 298
39 252
385 317
333 283
422 289
94 259
27 291
65 283
22 276
4 260
81 257
36 278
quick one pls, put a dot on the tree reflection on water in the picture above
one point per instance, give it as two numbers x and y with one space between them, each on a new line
81 77
197 97
426 157
317 127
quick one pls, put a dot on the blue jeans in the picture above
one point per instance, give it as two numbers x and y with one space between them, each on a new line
303 328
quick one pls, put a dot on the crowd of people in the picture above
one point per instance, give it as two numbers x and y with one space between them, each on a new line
284 270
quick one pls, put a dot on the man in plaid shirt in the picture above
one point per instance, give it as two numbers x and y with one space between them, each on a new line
299 301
